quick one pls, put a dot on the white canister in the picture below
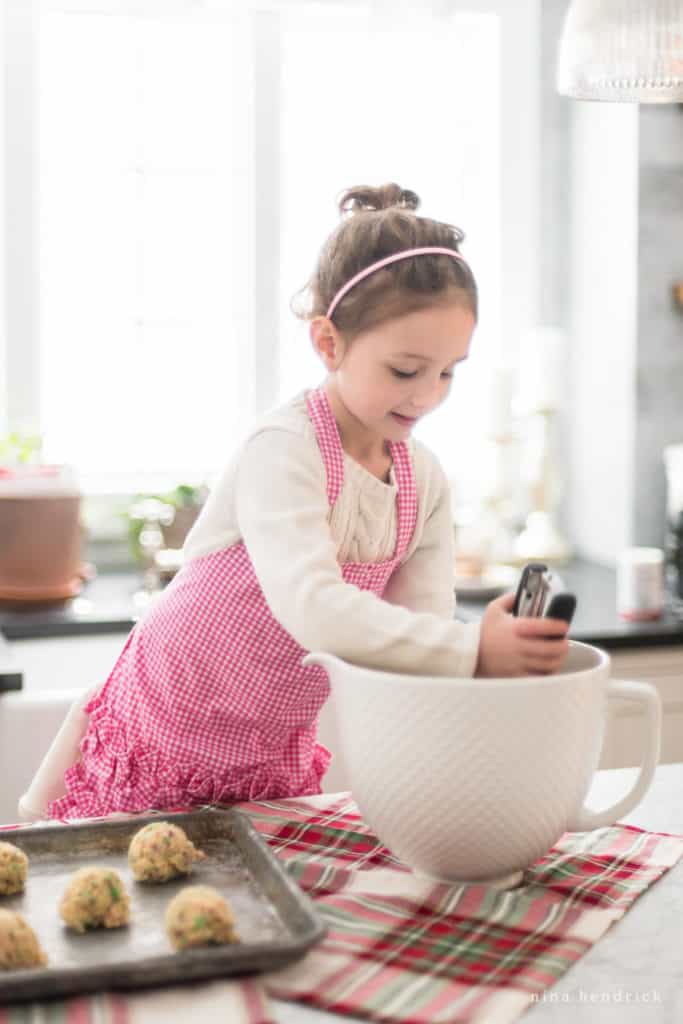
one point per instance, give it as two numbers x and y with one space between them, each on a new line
640 583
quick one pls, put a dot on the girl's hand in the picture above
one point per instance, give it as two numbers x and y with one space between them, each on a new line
511 646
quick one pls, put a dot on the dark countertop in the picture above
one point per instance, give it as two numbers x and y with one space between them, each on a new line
106 605
596 620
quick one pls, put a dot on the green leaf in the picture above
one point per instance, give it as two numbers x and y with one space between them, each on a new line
16 448
184 494
113 889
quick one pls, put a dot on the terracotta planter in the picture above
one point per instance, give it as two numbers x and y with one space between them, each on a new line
40 547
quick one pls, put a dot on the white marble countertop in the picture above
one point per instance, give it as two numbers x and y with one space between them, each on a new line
634 974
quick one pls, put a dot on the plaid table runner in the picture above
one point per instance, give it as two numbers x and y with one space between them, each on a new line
209 1002
402 949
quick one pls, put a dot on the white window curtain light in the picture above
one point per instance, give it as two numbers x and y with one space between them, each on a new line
396 117
187 160
145 269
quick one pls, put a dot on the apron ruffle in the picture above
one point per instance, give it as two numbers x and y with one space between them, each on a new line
112 776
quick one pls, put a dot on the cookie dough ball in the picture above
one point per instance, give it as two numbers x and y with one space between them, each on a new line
95 898
19 946
13 869
199 916
160 851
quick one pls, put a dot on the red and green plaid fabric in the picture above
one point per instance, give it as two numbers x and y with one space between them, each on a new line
403 949
213 1002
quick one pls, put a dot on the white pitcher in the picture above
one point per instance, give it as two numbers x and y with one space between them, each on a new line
474 779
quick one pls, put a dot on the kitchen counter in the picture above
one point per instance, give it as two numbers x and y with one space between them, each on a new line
106 605
596 620
634 973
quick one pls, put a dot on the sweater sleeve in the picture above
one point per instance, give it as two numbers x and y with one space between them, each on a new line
424 582
283 515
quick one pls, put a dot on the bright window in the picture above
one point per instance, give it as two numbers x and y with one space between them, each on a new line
188 155
418 128
144 325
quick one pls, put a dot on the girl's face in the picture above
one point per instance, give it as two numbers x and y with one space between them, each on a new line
392 375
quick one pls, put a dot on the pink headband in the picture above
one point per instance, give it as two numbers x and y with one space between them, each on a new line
425 250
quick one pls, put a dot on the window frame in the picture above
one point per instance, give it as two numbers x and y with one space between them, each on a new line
520 197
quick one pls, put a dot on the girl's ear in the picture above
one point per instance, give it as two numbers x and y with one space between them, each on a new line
326 341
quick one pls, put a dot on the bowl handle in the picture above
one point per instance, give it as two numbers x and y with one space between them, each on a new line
645 694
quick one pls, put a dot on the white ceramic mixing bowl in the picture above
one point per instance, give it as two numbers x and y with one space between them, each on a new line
475 779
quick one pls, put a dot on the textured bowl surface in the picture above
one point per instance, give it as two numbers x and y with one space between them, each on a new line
471 779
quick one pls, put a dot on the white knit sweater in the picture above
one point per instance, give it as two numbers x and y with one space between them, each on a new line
273 496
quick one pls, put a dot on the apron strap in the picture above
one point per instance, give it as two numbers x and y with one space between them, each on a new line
329 441
406 511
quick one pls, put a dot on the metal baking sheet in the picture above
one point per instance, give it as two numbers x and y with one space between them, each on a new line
277 923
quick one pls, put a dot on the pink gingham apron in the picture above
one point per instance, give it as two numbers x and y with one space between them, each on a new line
208 700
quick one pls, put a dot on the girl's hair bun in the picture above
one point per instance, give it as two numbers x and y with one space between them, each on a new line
377 222
364 197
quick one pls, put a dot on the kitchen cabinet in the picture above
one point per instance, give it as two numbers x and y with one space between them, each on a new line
67 662
663 668
55 673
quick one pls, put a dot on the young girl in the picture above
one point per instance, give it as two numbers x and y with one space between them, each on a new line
329 530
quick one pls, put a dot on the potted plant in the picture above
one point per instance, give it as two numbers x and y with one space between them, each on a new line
175 512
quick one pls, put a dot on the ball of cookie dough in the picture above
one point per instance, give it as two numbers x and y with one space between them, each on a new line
95 898
160 851
199 916
13 869
19 946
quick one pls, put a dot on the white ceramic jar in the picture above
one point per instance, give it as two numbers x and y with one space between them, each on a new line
640 584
